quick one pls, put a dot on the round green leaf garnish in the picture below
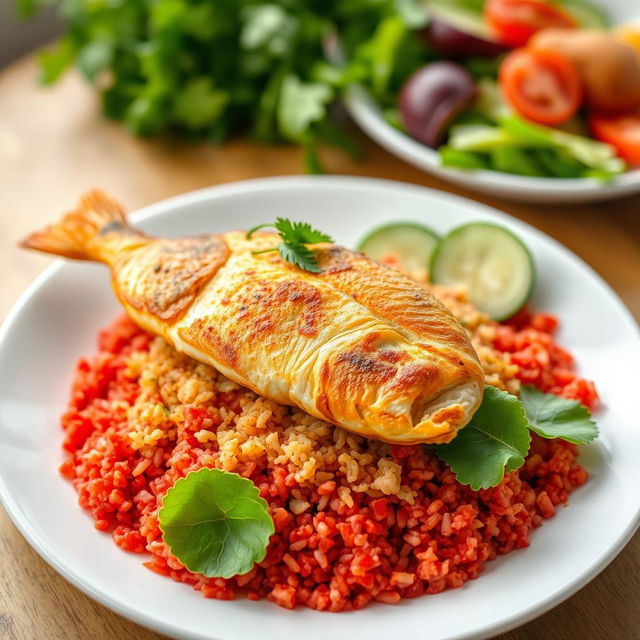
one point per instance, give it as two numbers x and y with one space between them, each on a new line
495 442
215 523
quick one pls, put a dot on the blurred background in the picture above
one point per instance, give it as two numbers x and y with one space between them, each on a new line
20 36
55 144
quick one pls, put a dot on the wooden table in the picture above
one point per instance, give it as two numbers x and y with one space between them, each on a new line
53 146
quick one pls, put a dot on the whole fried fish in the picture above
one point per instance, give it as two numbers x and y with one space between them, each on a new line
358 344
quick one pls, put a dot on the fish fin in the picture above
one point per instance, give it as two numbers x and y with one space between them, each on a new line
77 234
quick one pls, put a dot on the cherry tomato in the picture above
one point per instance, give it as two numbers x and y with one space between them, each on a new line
515 21
620 131
541 85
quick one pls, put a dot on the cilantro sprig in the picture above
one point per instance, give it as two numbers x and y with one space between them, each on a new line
551 416
295 237
496 440
215 523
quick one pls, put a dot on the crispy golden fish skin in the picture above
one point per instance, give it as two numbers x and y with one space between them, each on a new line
359 344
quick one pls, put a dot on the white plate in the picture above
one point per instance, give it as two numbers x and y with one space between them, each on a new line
56 321
366 113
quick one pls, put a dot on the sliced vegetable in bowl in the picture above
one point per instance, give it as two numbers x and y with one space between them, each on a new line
432 97
542 85
530 148
620 131
515 21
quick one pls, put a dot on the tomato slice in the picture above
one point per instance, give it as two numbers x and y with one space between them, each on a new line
515 21
543 86
620 131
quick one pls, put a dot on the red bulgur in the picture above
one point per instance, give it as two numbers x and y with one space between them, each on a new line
337 546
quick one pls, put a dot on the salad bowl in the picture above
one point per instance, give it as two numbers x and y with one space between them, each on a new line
370 117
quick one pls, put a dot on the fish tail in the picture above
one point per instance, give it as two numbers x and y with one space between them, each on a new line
82 233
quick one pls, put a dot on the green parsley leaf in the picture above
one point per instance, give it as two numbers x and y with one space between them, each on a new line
94 58
268 26
199 104
215 523
299 255
295 236
495 442
56 60
299 232
551 416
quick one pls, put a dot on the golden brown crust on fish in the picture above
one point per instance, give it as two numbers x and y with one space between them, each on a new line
164 278
401 300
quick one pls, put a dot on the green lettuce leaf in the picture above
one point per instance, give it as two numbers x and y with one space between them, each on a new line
215 523
551 416
593 154
495 442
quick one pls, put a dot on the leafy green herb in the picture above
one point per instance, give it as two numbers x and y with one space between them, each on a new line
301 105
551 416
219 68
495 442
497 439
216 523
295 236
199 103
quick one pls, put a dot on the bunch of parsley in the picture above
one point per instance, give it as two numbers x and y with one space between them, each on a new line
217 68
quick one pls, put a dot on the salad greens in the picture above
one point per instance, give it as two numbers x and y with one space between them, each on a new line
504 141
216 523
497 439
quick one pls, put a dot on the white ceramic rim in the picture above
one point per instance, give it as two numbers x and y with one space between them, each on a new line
36 541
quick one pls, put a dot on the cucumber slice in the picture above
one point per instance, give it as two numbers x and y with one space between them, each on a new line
491 262
412 243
